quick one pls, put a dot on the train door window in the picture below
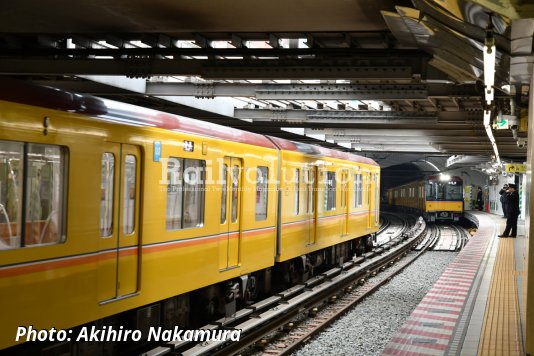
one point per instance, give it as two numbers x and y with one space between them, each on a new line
174 193
311 188
45 189
224 172
235 192
357 190
344 188
297 191
193 200
106 194
11 163
130 173
330 191
366 191
262 179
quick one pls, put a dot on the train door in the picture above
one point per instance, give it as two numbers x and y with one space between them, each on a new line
368 194
230 242
118 260
311 203
345 202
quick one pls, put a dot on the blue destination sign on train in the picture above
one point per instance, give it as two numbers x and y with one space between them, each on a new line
157 151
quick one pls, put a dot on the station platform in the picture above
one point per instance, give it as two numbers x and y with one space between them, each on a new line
474 308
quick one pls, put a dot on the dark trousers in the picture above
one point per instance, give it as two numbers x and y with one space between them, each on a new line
511 224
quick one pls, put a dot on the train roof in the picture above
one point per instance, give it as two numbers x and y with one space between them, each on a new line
118 112
425 179
313 150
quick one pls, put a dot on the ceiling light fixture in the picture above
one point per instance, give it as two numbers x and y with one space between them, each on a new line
489 62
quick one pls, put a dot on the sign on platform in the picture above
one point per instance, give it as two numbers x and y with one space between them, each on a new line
515 168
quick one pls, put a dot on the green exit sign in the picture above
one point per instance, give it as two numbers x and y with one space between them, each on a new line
502 122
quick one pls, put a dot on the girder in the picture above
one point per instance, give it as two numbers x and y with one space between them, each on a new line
230 69
355 117
316 91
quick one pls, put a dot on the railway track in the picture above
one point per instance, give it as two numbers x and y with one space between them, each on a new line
450 238
322 299
278 311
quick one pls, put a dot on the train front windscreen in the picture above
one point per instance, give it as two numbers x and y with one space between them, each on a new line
444 190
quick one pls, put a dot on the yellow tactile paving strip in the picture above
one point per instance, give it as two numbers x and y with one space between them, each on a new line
501 332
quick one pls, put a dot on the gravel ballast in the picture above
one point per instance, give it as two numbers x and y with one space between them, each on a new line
367 328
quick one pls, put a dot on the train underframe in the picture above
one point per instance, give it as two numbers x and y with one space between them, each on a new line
197 308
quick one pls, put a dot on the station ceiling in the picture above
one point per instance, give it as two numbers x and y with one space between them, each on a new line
398 81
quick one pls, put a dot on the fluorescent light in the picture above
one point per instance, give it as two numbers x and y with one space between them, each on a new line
489 72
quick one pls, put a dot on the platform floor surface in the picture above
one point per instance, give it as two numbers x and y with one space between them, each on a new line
473 308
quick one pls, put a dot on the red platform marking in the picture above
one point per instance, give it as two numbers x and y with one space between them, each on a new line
453 287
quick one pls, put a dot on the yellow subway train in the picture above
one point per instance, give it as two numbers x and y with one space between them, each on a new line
436 198
111 214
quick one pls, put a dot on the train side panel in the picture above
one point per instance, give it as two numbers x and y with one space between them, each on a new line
74 282
342 207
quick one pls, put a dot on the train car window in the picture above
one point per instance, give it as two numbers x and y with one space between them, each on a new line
193 201
357 190
128 208
11 165
174 193
45 188
106 194
185 193
454 190
262 179
224 189
235 192
297 191
330 191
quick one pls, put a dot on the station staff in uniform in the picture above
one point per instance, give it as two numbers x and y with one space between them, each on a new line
512 212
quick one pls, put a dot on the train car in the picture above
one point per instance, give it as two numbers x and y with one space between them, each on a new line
111 214
327 198
437 197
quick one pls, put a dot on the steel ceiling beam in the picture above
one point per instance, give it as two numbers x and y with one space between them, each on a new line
356 117
361 53
408 139
394 148
316 91
236 69
340 132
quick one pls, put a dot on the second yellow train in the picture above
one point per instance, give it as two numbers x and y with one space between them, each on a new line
436 198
